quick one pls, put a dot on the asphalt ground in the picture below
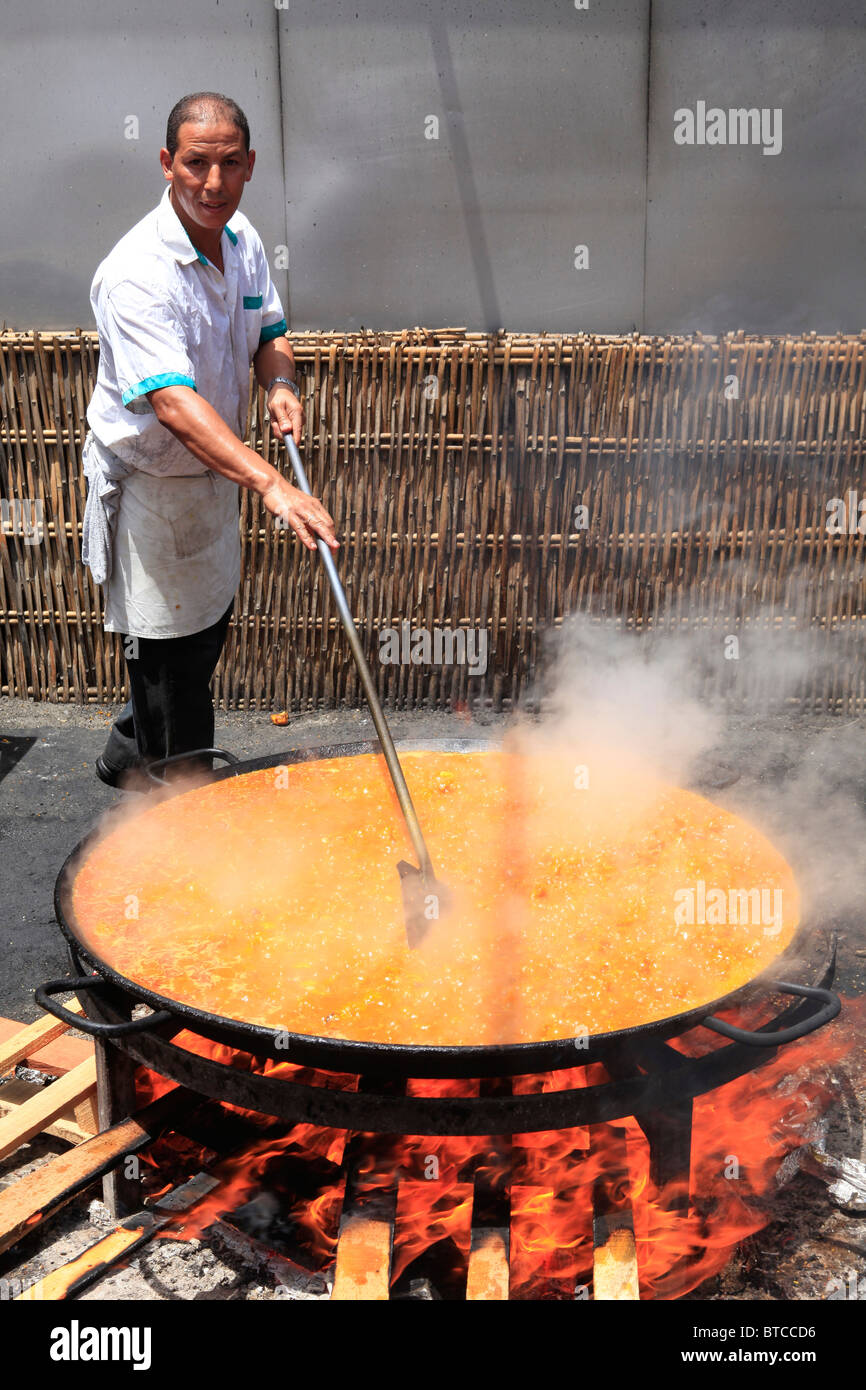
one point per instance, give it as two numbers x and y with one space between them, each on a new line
802 777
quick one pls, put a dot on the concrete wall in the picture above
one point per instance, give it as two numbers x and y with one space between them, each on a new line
555 130
735 238
541 147
71 183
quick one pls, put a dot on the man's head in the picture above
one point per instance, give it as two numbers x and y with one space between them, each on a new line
207 158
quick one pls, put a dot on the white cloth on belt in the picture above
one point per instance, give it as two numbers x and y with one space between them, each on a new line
166 548
104 472
177 555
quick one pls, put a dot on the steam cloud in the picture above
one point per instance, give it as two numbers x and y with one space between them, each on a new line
739 731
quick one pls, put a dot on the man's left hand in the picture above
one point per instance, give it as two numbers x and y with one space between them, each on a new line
286 412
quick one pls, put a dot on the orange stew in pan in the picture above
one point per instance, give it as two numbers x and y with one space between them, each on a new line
579 907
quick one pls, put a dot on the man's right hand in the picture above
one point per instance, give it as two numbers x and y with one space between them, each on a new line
306 515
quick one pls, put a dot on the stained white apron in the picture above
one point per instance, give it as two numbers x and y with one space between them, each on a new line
176 562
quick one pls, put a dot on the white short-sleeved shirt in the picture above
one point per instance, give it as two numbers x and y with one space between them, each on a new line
166 316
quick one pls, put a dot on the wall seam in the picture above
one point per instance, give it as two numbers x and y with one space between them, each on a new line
646 188
280 113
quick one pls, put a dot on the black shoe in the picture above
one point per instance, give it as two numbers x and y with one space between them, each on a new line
129 779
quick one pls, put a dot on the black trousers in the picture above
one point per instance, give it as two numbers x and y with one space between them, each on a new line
170 709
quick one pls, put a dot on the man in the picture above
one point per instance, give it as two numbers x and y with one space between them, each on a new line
183 304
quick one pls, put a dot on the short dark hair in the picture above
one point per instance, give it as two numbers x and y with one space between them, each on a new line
207 105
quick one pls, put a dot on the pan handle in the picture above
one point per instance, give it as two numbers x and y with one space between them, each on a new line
831 1002
42 994
178 757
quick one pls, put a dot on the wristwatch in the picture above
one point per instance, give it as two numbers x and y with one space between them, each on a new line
283 381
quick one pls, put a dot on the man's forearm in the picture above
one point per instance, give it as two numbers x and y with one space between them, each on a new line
193 421
274 359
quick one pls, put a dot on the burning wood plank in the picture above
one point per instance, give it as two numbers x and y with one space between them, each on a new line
363 1261
71 1279
488 1277
41 1193
366 1236
129 1236
615 1275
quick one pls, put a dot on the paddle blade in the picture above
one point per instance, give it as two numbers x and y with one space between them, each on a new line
424 902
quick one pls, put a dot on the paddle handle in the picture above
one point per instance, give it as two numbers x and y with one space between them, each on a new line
406 805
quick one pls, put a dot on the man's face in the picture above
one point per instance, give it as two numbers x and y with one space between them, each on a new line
208 172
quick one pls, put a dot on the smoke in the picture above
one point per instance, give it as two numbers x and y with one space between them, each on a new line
608 690
729 714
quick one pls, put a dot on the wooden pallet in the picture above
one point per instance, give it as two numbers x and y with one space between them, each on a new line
34 1198
65 1109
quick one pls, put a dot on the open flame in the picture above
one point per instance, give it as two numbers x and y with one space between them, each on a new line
548 1182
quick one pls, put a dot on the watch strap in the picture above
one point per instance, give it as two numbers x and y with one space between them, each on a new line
282 381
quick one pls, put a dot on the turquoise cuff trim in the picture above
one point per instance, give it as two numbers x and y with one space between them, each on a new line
153 383
273 330
252 301
231 236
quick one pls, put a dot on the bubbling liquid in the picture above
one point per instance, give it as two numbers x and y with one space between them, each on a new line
274 897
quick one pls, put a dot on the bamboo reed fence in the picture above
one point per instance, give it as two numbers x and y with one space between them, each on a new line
455 465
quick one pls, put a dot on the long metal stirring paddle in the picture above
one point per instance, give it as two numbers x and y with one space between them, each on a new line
418 885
